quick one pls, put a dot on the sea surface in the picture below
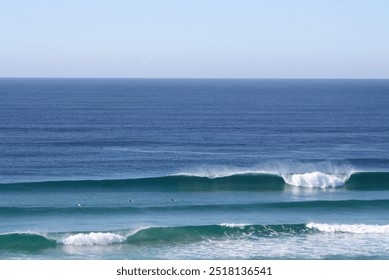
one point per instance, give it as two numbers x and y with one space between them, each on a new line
194 169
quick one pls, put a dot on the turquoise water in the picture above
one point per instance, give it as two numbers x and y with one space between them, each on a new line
194 169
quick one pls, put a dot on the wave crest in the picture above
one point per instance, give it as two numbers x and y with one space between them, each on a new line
354 228
93 238
316 179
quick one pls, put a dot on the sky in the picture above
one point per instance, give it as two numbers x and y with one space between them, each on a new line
195 39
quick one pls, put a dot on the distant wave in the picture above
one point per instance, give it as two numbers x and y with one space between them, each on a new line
239 181
185 234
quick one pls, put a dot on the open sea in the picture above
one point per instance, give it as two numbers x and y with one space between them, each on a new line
194 169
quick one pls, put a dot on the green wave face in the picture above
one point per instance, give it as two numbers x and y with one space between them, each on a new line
368 181
199 233
25 242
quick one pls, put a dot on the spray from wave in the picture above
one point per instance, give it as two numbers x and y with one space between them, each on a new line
316 179
320 174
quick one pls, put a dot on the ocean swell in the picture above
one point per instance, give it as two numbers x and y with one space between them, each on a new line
240 181
31 242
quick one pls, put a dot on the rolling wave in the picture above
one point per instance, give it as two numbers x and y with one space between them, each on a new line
242 181
25 242
185 234
93 238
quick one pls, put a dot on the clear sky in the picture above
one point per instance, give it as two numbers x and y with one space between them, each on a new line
199 38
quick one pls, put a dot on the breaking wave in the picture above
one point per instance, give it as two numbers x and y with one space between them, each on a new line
316 179
93 238
354 228
236 181
185 234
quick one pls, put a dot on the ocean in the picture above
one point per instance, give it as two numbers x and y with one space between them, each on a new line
194 169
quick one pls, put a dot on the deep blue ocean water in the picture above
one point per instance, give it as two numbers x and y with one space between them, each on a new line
194 169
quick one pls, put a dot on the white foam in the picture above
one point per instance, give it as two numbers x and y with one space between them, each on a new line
241 226
316 179
354 228
93 238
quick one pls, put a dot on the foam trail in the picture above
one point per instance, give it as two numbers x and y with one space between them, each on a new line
93 238
356 228
316 179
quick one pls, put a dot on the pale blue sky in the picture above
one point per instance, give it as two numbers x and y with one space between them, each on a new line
172 38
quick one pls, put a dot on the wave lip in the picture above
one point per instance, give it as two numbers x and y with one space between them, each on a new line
93 238
223 172
228 225
353 228
316 179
